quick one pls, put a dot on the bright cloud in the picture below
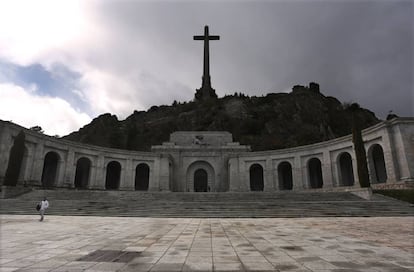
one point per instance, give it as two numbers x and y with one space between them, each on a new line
30 30
24 107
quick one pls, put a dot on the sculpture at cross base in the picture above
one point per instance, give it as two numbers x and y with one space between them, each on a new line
206 91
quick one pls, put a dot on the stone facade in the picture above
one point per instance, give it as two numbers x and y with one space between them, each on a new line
211 161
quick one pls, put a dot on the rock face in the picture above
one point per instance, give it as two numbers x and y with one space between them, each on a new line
277 120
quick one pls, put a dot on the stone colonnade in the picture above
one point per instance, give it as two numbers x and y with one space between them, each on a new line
390 156
52 162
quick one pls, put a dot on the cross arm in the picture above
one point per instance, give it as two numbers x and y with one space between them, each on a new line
209 37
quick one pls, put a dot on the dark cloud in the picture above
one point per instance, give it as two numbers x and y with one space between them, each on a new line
359 51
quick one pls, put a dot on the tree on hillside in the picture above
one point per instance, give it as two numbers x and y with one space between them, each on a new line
360 153
15 160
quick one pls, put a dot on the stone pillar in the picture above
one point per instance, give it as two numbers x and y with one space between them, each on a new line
234 177
68 175
127 176
275 178
297 178
100 169
389 156
163 174
244 177
336 171
327 170
154 176
92 174
268 176
38 161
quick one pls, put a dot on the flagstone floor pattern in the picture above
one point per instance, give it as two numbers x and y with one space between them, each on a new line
163 244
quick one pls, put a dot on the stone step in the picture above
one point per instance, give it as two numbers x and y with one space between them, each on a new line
159 204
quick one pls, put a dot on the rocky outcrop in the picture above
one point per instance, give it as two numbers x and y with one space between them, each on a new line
277 120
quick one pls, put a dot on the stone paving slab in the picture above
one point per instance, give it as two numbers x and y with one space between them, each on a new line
63 244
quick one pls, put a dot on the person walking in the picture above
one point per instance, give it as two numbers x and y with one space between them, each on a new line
44 204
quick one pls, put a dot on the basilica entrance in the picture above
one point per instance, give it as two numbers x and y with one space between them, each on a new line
200 177
200 181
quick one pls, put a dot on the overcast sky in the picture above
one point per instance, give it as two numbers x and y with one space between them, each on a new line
62 63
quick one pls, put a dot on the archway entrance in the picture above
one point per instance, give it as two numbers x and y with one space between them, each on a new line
378 164
315 173
200 180
256 178
284 171
200 177
113 175
83 167
346 170
50 169
142 177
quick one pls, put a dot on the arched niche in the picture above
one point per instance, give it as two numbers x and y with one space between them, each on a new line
50 169
113 175
83 168
256 177
377 164
315 173
346 171
284 171
142 173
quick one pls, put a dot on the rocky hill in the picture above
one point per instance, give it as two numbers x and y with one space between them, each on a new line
274 121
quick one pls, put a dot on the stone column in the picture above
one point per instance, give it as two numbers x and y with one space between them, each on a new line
126 180
390 156
327 170
154 176
244 177
276 178
164 174
268 176
234 177
92 174
38 161
67 178
99 182
297 178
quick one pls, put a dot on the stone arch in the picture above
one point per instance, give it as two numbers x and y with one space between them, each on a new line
377 164
284 171
256 177
142 173
201 180
50 169
113 175
345 170
315 173
82 174
191 175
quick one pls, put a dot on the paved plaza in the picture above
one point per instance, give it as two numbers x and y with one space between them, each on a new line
87 243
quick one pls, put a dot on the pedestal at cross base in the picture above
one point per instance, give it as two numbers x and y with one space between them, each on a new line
206 91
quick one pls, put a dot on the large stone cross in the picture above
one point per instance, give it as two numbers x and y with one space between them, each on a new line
206 91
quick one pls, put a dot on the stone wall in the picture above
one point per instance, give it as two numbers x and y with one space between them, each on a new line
330 164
